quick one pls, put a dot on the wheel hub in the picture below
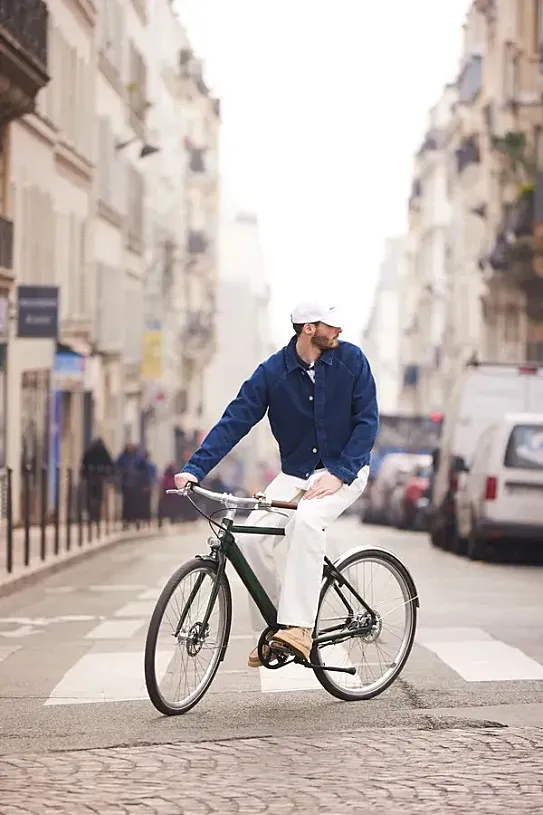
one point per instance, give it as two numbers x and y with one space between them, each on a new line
195 638
367 627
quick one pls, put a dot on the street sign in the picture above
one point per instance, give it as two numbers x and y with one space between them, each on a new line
37 312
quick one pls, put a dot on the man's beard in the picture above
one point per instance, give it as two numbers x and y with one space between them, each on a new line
323 343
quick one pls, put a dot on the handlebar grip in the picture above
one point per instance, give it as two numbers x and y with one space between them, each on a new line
283 505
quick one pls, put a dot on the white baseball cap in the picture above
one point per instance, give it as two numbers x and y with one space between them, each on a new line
316 313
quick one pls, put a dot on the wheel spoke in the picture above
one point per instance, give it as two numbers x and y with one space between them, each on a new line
180 664
377 650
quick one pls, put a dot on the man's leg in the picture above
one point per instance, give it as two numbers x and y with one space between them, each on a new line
258 549
306 540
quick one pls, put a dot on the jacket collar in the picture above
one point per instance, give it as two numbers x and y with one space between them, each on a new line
292 361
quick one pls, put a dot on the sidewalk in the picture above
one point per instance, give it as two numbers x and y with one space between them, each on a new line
82 542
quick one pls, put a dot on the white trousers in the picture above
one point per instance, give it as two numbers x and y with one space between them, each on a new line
296 596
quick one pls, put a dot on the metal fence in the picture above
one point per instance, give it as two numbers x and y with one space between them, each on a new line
56 511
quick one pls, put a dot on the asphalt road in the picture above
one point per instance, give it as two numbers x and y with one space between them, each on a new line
77 733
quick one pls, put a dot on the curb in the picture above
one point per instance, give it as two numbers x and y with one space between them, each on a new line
31 575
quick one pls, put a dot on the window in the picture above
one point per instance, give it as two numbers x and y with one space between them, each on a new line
510 75
538 146
538 25
525 448
34 420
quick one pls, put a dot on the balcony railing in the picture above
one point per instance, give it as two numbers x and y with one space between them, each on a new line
6 244
468 153
23 56
26 22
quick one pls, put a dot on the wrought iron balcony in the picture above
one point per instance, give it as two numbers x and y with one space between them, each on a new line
6 244
468 153
23 55
498 258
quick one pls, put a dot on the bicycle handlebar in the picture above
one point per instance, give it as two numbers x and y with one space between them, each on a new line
259 501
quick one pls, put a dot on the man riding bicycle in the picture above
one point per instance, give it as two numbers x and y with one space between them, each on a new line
320 396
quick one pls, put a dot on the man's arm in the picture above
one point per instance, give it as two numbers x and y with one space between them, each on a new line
247 409
366 425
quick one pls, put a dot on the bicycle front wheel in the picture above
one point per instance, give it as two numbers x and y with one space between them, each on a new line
377 650
181 657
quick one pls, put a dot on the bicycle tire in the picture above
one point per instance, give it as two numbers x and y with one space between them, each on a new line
322 676
156 697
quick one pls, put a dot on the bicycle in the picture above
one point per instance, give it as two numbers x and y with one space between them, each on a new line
191 635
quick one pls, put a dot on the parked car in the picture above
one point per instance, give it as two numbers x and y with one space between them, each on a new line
410 498
500 493
376 505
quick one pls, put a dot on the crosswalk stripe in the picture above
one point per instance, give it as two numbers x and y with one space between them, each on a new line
118 676
98 677
140 608
115 630
478 657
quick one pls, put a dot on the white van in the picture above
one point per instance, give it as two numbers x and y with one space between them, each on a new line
484 393
500 496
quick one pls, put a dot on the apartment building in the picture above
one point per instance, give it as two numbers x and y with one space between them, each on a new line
243 342
24 72
165 208
50 180
382 338
426 286
124 159
197 335
485 201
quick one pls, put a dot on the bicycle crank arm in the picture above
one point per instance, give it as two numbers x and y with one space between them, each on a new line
351 671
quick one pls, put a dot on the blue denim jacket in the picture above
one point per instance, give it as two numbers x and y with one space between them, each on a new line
337 425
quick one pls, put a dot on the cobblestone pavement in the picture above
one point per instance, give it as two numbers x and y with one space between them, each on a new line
487 771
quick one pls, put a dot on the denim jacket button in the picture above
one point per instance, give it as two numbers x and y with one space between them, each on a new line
314 449
310 398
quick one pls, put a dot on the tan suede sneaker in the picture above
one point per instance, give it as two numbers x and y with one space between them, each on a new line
254 659
299 640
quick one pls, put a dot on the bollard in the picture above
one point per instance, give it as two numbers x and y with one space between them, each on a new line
43 513
9 521
26 497
69 489
79 516
56 511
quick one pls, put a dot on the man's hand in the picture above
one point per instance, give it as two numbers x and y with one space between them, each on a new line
182 479
327 484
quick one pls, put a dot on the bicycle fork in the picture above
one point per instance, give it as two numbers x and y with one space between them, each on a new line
211 602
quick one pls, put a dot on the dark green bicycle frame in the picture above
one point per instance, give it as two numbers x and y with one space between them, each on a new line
229 550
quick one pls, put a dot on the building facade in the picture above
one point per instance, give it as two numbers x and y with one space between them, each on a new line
197 324
98 119
243 342
382 337
51 173
484 296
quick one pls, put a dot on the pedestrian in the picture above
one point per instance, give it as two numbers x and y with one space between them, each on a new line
96 468
149 483
320 397
132 473
168 506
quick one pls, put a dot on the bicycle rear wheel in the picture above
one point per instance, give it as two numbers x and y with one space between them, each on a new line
177 649
377 651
